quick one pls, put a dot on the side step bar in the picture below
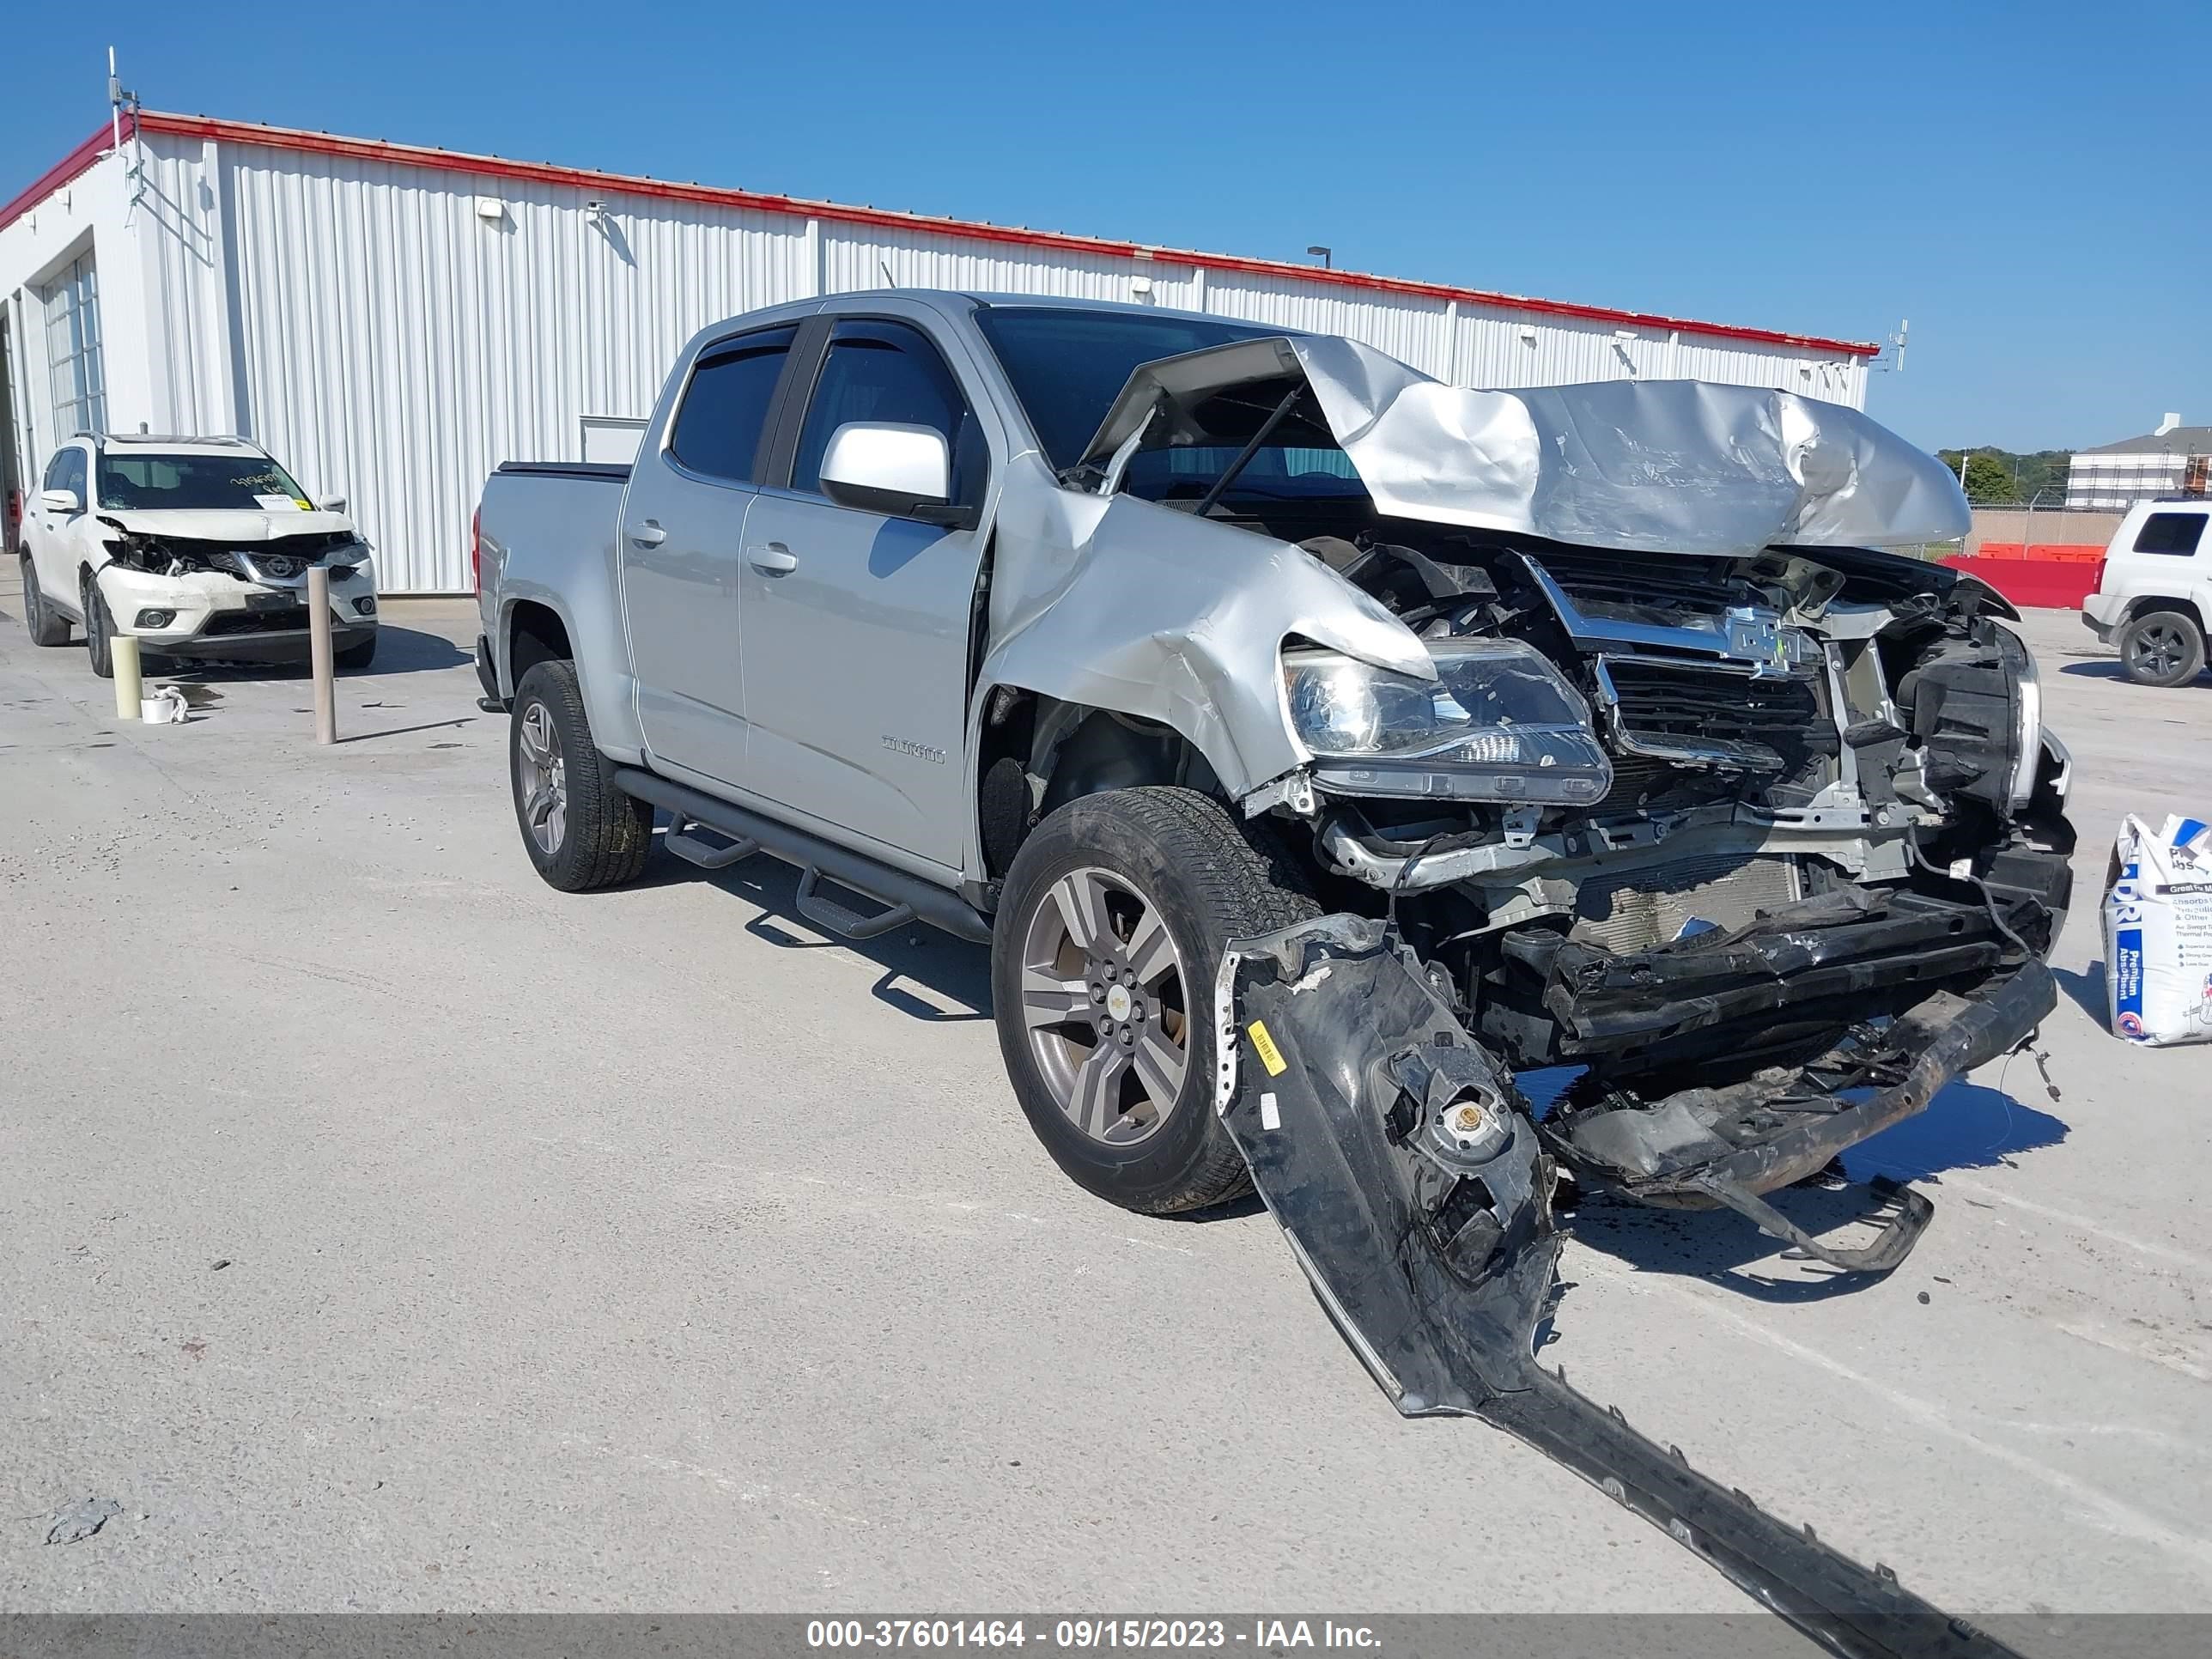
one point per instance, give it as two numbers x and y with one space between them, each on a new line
906 898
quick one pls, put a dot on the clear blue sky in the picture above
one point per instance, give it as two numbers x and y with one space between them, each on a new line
2028 183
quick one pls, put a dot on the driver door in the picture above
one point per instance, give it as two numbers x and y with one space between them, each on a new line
855 623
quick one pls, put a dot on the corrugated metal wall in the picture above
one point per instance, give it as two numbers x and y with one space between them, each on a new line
389 343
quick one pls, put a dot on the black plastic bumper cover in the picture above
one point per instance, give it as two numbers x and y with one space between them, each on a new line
1439 1291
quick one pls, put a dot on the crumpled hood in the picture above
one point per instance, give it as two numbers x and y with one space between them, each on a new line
245 528
1681 466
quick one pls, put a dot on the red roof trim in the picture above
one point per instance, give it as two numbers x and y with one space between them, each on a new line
545 173
72 165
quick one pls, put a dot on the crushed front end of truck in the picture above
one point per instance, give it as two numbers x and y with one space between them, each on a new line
1688 789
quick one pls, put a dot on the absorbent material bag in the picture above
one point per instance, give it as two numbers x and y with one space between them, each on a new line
2158 933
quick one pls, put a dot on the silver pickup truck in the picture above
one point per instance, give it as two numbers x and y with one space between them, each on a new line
1108 637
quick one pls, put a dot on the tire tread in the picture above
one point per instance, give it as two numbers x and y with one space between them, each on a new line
609 833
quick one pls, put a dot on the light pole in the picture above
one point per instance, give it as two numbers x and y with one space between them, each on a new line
1323 254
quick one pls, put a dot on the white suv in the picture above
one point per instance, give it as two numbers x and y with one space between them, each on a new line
200 547
2155 592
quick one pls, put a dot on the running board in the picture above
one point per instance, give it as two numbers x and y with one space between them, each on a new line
681 840
1397 1157
917 899
838 918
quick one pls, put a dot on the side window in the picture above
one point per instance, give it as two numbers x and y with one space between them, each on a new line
57 470
2171 532
718 426
68 472
877 371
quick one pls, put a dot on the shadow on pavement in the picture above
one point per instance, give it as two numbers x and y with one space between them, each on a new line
927 975
398 651
1967 1127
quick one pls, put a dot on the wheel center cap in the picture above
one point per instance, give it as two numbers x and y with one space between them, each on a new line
1117 1002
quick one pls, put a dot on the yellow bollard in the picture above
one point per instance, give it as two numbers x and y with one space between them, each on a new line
123 654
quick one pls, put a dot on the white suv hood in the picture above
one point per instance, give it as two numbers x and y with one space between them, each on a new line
244 529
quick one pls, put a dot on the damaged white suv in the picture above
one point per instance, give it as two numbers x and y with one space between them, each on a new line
198 547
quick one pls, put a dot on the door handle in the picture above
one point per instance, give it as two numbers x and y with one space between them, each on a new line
648 534
773 560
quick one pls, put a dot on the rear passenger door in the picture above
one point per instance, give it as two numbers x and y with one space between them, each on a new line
51 536
681 536
855 623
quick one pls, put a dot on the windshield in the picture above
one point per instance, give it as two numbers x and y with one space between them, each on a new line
249 484
1067 365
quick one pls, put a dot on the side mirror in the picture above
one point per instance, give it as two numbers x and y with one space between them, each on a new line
61 501
329 504
901 472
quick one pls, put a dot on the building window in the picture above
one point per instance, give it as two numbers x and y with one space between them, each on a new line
78 383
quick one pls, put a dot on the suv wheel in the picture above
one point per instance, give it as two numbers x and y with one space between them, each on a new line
580 831
2162 648
45 624
97 628
1109 937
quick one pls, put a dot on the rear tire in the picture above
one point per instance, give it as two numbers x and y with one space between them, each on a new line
2162 648
1093 1016
45 624
98 626
580 831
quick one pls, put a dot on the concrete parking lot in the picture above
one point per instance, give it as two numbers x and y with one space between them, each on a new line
382 1230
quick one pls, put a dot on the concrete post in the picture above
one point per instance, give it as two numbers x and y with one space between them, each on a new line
319 655
123 658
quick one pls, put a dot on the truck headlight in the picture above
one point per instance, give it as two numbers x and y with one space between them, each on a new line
2030 734
1498 722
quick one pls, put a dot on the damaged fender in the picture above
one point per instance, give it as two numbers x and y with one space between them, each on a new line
1398 1160
1128 605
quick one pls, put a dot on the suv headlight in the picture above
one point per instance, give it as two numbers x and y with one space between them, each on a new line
1497 723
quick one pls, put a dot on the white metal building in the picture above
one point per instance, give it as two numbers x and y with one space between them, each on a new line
393 322
2173 460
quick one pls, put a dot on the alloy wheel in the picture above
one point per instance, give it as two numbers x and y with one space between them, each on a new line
541 779
2158 649
1105 1002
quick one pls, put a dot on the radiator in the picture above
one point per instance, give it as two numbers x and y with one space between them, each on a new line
1635 911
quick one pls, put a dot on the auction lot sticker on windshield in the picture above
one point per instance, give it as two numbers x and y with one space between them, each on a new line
280 504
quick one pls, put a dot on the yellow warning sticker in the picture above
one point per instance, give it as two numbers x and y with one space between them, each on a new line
1270 1055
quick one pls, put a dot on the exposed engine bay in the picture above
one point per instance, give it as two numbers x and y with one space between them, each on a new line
1687 786
1735 836
278 557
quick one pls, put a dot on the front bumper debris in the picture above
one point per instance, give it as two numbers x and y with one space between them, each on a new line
1373 1122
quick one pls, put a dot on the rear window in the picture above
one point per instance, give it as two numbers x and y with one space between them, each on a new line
2171 532
718 429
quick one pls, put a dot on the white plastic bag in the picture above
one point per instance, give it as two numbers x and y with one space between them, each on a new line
2158 933
163 705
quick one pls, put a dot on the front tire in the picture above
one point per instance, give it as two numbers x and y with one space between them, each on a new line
355 658
98 626
45 624
1108 936
2162 648
580 831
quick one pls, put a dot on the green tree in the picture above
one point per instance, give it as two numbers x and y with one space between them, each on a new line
1990 479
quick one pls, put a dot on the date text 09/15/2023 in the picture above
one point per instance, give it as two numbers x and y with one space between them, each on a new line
1257 1635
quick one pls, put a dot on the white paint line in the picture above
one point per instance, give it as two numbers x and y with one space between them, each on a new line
2082 1223
2109 1511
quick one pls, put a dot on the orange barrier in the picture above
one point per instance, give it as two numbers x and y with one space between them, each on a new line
2059 552
2035 582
